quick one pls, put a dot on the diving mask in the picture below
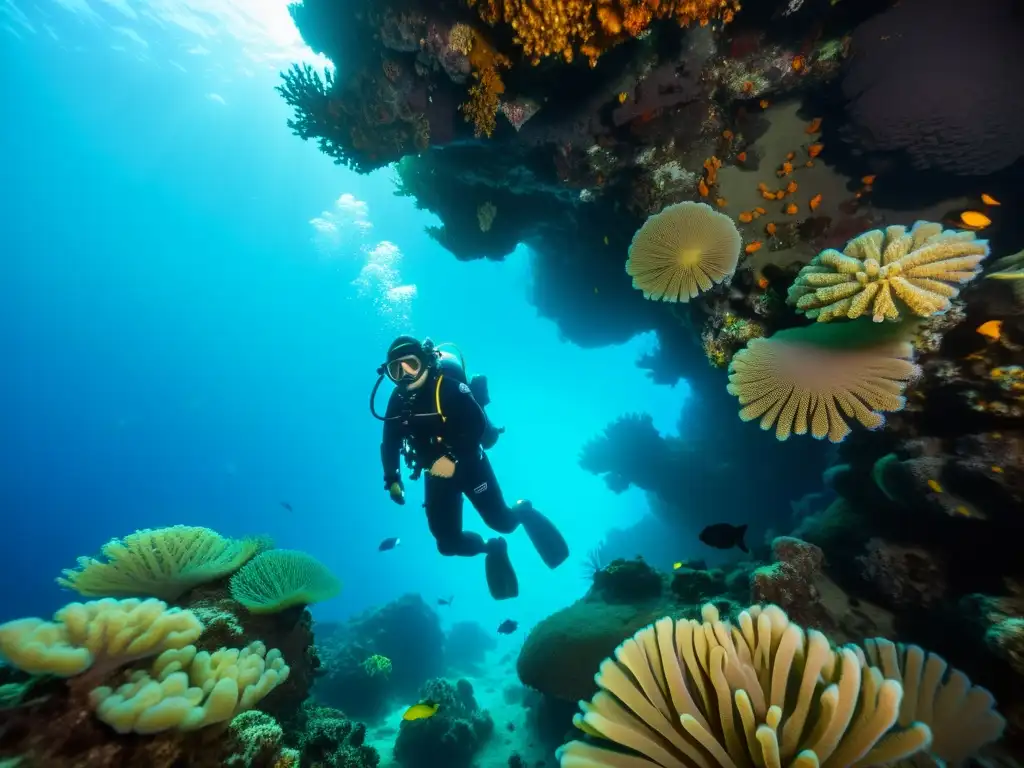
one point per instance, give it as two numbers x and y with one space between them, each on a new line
408 367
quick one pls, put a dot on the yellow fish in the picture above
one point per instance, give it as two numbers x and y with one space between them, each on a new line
934 485
991 329
421 711
677 566
975 220
989 200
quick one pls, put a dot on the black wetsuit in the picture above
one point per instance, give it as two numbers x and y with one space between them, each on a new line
457 435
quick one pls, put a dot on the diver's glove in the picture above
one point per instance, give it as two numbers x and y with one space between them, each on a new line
396 491
443 467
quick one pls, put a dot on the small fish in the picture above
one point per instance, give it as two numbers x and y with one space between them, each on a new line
762 282
963 511
815 202
622 97
935 486
869 180
753 247
791 156
760 211
798 63
767 194
287 506
676 566
814 150
746 217
390 543
703 189
727 135
725 536
507 627
997 470
991 329
606 239
785 170
809 164
814 126
764 103
780 194
770 228
989 200
721 202
791 209
791 188
762 186
421 711
595 290
742 157
975 220
443 601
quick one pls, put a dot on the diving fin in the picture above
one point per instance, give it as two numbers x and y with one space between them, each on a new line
501 578
546 539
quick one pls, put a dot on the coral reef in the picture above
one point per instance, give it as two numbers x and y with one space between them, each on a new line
405 631
466 645
451 737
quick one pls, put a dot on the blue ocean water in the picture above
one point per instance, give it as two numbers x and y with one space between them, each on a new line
193 303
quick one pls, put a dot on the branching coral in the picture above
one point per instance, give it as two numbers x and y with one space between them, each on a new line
921 267
563 27
767 692
800 379
683 251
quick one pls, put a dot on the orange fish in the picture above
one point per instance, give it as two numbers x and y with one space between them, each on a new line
991 330
989 200
814 127
815 202
746 217
754 247
791 188
809 164
748 86
974 220
785 170
703 188
760 211
721 202
727 135
780 194
762 186
767 194
791 209
769 228
762 282
742 157
798 63
868 179
764 103
815 149
791 156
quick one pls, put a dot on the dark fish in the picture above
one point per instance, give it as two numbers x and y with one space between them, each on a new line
387 544
442 601
287 506
507 627
725 536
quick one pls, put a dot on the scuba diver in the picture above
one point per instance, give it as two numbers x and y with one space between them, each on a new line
435 418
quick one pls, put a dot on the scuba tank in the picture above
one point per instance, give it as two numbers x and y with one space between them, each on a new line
454 366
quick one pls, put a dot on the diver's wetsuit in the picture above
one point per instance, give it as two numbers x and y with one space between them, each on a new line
456 434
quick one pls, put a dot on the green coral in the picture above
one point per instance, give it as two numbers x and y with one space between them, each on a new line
377 665
283 578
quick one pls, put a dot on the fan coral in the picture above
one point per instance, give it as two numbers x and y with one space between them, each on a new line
921 267
801 378
768 693
683 251
282 578
160 562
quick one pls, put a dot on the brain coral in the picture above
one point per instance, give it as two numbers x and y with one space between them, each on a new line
941 83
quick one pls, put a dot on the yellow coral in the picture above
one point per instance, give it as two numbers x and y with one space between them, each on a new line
557 27
921 267
460 38
484 100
